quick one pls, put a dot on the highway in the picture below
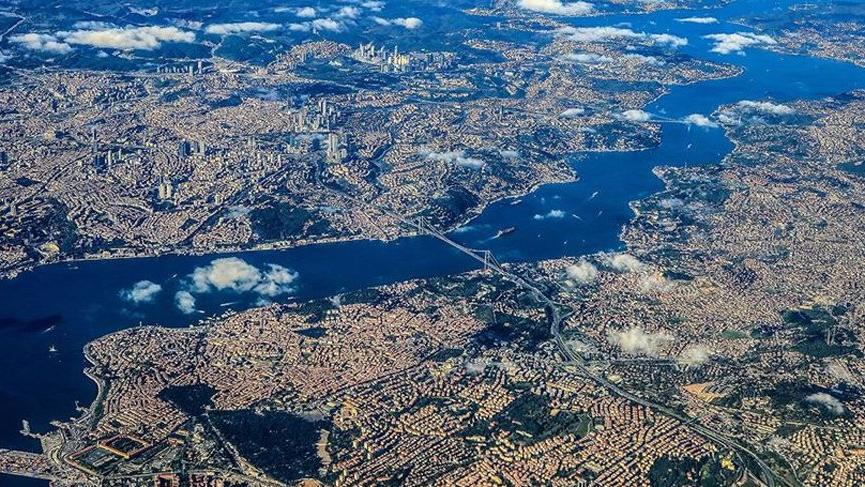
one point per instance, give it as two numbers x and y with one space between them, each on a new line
766 475
554 309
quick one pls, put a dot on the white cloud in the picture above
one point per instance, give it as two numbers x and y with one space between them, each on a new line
572 112
623 262
317 25
698 20
736 43
306 12
557 7
583 272
185 302
141 292
348 12
656 283
188 24
374 5
42 42
695 355
671 203
237 211
766 107
347 16
93 25
729 118
839 371
328 24
475 366
145 38
605 34
635 341
668 40
827 401
277 280
550 214
454 157
753 110
240 27
234 274
587 58
640 58
225 273
699 121
408 23
634 116
146 12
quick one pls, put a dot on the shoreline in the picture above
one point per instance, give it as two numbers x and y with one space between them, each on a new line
102 385
206 321
573 177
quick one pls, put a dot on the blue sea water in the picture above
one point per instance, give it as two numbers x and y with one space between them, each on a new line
66 306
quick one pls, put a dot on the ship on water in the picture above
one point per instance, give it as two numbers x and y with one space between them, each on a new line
505 231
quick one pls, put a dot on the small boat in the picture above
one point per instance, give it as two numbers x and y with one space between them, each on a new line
52 349
516 201
505 231
593 195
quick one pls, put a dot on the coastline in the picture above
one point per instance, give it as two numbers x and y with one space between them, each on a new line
102 386
572 177
631 201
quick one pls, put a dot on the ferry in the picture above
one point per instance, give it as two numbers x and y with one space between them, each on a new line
505 231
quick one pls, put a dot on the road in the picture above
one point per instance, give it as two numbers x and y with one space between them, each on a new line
767 476
554 312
